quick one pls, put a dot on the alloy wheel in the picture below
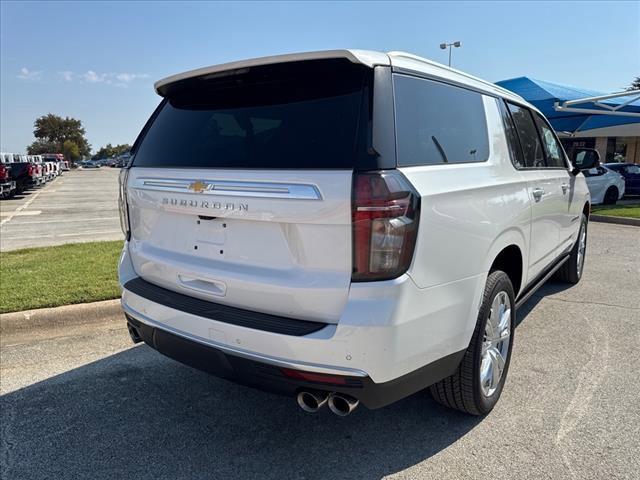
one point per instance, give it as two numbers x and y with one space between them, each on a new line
582 248
495 345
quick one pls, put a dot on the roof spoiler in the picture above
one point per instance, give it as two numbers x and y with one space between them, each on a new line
368 58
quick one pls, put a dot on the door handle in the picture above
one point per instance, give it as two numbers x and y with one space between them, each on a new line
565 187
538 193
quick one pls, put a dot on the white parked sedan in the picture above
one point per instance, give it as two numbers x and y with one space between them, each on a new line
605 185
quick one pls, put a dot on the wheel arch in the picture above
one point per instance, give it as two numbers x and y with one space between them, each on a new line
508 253
509 260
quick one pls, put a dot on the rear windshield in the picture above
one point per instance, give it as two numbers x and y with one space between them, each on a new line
312 114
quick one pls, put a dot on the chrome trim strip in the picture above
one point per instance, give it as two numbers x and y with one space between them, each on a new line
278 362
230 188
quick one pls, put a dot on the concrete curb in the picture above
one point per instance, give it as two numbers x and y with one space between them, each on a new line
82 313
617 220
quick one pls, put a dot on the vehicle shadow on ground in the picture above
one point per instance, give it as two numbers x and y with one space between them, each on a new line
21 196
549 288
17 197
137 414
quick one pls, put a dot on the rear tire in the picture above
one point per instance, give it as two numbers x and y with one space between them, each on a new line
611 196
474 388
571 270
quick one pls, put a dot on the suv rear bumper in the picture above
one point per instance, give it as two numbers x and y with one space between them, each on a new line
271 378
391 335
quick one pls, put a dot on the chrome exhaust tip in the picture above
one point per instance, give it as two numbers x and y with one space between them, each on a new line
342 405
311 401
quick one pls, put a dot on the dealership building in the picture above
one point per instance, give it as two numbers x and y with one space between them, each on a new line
587 119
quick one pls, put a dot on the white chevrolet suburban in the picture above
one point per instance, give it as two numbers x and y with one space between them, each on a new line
346 226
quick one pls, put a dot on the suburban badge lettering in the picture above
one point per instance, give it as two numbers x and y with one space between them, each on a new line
227 207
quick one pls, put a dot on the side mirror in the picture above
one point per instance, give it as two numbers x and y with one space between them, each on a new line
584 159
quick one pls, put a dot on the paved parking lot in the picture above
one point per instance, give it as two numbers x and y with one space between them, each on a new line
79 206
83 402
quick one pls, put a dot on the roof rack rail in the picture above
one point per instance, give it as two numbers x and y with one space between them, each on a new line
445 67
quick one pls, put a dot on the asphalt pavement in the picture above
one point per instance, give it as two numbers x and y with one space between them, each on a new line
82 402
79 206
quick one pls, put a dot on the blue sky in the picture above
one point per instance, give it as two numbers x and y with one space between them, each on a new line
97 61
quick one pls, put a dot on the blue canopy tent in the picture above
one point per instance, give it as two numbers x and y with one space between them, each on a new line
571 110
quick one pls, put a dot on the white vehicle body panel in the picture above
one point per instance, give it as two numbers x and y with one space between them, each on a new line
287 256
381 333
481 201
292 257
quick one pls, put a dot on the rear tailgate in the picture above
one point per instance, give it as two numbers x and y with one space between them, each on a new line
240 190
279 243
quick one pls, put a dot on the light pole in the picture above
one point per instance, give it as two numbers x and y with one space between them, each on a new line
444 46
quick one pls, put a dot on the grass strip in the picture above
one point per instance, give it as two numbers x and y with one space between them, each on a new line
59 275
627 211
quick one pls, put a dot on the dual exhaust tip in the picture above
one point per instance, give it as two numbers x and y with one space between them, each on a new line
340 404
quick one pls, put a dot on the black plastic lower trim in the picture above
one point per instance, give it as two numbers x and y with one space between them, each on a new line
540 280
222 313
271 378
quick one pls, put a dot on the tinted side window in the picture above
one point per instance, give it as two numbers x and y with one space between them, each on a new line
528 134
438 123
552 148
512 136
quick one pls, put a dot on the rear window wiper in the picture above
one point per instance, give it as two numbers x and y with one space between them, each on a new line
440 149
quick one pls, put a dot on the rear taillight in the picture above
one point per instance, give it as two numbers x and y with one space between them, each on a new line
122 203
385 214
3 172
31 170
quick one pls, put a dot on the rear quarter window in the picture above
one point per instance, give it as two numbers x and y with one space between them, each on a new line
438 123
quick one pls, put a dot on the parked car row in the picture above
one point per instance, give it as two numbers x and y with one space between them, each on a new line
89 164
116 162
20 172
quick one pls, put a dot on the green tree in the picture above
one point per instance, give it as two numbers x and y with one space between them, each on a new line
120 149
635 85
109 151
70 150
52 131
104 152
42 146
